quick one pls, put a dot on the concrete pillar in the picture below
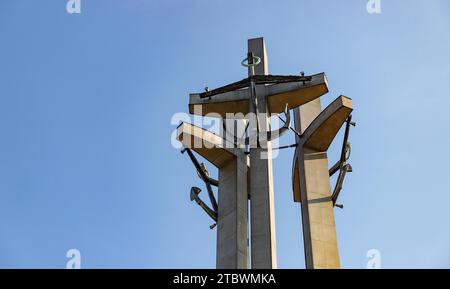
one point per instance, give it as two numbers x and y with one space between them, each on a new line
232 217
263 241
232 223
319 229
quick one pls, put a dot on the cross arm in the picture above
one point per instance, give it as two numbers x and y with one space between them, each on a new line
295 93
319 135
233 98
207 144
235 101
321 132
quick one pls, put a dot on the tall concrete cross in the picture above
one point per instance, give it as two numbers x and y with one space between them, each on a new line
232 214
262 211
311 179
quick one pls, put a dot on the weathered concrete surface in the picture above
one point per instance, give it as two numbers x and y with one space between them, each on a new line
232 218
311 180
210 146
318 135
263 237
295 94
232 223
292 93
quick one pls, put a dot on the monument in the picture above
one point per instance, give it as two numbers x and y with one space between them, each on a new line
243 157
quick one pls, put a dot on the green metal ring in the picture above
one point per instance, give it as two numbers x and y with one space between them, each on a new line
256 60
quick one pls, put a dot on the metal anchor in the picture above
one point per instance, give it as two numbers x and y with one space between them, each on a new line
203 174
342 166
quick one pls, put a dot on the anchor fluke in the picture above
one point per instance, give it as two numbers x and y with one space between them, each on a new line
195 197
194 193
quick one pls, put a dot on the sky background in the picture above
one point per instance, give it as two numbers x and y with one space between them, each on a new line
86 102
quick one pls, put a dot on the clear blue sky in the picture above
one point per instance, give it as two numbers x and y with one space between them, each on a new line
86 100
